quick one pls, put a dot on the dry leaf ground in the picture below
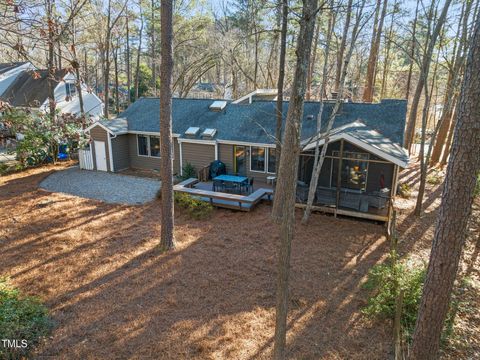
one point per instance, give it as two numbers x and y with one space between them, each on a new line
113 296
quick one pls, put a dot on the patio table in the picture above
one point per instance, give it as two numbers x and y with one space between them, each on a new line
231 179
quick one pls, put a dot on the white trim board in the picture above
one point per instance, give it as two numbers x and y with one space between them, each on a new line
363 146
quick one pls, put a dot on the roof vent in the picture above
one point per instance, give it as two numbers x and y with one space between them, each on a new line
192 131
209 133
218 105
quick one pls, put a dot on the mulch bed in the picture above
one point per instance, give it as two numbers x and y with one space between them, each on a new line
113 296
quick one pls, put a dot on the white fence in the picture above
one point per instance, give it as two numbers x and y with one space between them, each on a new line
85 159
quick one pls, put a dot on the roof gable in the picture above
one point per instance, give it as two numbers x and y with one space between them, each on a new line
30 88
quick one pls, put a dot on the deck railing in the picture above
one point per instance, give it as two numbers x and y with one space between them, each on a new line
204 173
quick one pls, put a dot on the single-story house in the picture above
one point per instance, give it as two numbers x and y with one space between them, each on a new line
364 144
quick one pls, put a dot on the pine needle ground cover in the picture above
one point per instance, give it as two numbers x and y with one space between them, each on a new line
111 295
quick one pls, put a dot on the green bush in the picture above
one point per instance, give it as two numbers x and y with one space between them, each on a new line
477 185
196 209
404 190
386 281
21 318
435 178
188 171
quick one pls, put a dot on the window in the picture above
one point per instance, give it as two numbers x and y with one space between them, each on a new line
149 145
142 145
354 170
257 159
154 146
70 89
272 160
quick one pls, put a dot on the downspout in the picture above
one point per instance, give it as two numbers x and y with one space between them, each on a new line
181 156
110 154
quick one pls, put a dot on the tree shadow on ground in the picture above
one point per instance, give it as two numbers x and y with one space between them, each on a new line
113 295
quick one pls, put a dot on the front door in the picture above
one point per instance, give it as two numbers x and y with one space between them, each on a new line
100 155
239 163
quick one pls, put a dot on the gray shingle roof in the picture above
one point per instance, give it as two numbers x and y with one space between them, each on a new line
256 122
358 131
30 88
4 67
116 126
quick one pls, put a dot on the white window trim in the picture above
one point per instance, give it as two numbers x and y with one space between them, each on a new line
148 146
265 162
149 155
268 159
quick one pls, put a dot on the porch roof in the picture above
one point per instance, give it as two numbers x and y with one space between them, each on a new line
116 126
366 138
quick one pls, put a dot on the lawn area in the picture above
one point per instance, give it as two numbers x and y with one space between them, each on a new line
113 296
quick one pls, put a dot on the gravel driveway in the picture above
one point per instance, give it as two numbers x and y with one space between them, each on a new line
108 187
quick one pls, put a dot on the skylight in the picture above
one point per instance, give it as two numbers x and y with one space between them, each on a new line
192 131
209 133
218 105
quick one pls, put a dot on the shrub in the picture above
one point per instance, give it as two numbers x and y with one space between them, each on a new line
196 208
188 171
477 185
435 178
404 190
386 281
21 318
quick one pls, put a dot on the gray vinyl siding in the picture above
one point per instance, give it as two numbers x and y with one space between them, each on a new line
147 162
199 155
225 155
99 134
120 152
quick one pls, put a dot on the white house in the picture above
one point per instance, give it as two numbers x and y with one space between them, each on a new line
23 86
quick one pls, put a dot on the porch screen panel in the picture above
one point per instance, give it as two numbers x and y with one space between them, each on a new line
354 170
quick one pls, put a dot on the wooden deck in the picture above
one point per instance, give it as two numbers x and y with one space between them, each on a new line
221 199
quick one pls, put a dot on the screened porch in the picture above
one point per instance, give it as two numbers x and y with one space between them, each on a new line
352 181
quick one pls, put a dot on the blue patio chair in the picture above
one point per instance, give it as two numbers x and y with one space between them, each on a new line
249 185
217 184
230 186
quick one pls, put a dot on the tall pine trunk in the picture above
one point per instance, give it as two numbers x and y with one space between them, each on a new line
453 215
284 206
427 59
137 69
320 156
281 78
127 61
373 57
453 82
166 156
343 44
106 72
412 53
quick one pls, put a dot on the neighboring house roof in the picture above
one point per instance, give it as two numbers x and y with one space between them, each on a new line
30 88
4 67
258 94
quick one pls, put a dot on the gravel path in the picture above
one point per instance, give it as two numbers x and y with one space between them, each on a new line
108 187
